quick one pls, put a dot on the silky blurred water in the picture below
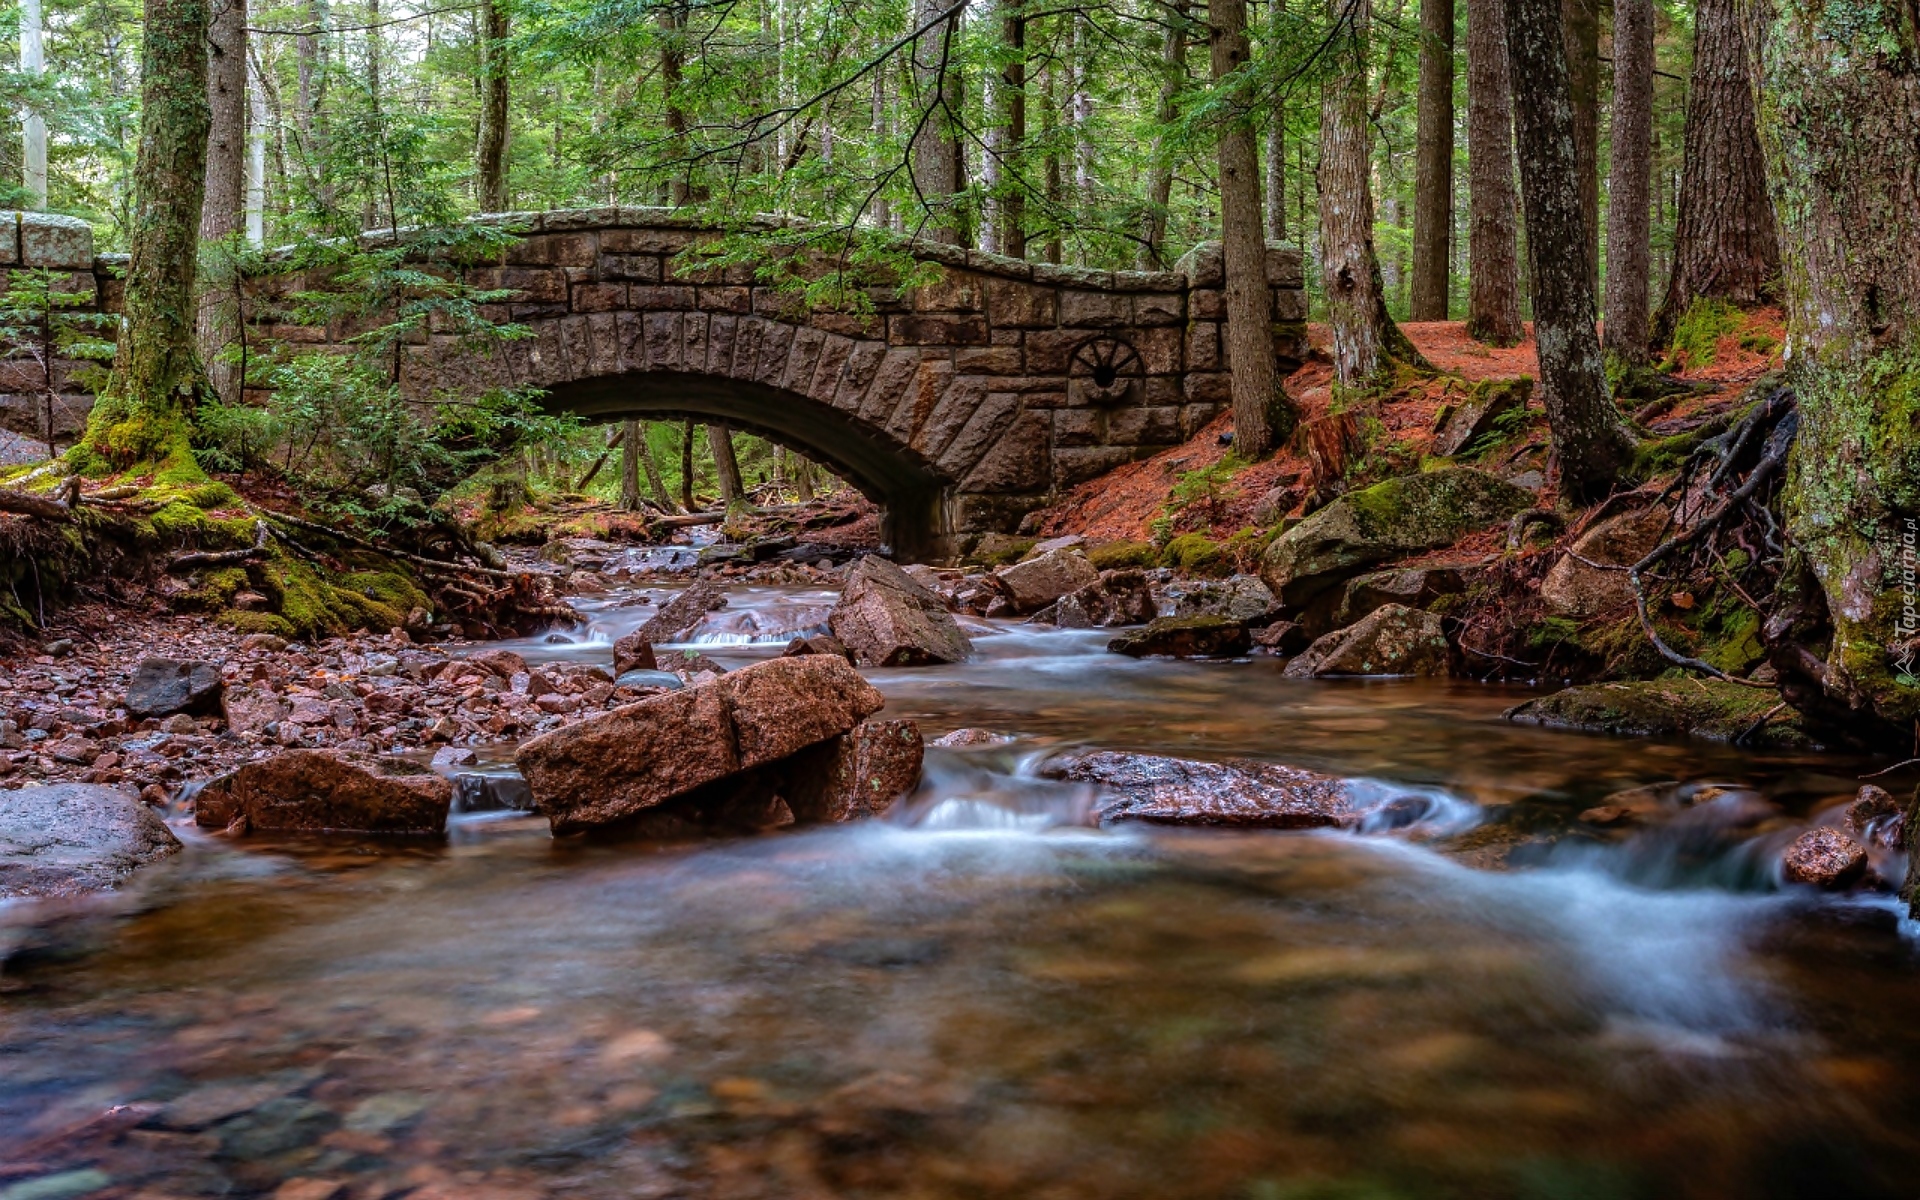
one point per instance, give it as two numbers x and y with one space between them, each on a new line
985 995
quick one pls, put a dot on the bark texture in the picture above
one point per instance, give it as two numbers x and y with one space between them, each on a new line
938 171
630 435
1493 255
1259 415
1173 67
490 148
1629 216
1839 131
1580 29
157 376
223 209
726 466
1433 165
1724 243
1013 84
1365 339
1591 443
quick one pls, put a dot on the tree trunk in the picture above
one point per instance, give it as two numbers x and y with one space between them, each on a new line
655 484
673 20
1591 443
157 379
223 209
1842 118
1493 257
1173 76
1580 29
311 82
256 203
1013 82
726 466
1629 228
686 465
630 435
1433 165
938 177
1260 411
1365 339
33 122
490 150
1724 243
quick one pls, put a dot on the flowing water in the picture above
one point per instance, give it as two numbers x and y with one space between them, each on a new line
983 996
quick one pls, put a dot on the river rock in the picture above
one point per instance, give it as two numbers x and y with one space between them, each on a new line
1393 640
1176 791
1874 816
1824 858
163 686
960 739
888 620
680 616
1574 589
70 838
1037 582
1414 587
1185 637
633 653
1402 516
1241 598
326 791
609 768
1118 597
504 663
251 710
857 774
1703 708
822 643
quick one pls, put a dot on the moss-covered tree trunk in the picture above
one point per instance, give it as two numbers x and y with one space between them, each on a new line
147 408
1839 122
1493 255
1590 441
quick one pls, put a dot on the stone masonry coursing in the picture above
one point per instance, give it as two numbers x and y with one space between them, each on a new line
960 406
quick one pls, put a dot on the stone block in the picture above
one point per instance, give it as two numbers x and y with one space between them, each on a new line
1204 266
954 292
1097 310
599 297
1159 308
802 359
648 298
603 335
1050 350
51 240
637 268
647 241
1207 305
936 329
1079 427
1203 346
722 328
1289 304
555 250
1283 265
863 365
535 285
1143 426
693 339
662 342
1073 465
1161 349
726 299
776 344
1017 304
991 360
9 238
830 368
1018 461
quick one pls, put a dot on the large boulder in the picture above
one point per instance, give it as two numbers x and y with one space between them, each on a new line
1239 597
1389 520
1037 582
889 620
1415 587
1119 597
163 686
1176 791
70 838
610 768
1580 590
326 791
1185 637
1392 640
1709 709
680 616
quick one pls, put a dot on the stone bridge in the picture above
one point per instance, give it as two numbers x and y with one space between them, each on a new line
959 406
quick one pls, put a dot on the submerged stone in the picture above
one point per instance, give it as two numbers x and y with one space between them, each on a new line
1186 637
326 791
1176 791
70 838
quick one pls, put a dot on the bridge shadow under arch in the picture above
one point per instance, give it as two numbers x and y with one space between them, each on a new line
911 492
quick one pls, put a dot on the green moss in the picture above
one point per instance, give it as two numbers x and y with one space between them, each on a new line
1122 555
1701 708
998 550
1696 336
1195 554
179 521
257 622
393 590
211 495
216 589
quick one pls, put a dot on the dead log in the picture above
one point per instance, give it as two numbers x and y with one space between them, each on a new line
224 558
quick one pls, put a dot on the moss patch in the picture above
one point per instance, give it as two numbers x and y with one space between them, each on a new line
1700 708
1117 556
1195 554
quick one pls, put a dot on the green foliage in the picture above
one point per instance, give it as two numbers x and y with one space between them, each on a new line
1195 554
41 323
1200 496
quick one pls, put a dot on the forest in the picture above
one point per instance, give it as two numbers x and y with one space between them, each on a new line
1286 599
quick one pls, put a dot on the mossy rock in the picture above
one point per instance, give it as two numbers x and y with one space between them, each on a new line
257 622
1001 550
1195 554
1121 556
1389 520
1700 708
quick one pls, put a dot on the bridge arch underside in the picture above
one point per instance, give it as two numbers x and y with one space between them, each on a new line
916 499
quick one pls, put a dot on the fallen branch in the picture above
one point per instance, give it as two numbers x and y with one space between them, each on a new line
418 560
1517 528
34 504
223 558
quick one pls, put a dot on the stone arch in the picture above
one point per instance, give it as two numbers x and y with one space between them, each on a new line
910 490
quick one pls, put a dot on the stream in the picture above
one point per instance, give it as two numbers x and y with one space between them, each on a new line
984 996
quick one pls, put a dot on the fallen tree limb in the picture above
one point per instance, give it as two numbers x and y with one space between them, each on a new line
224 558
417 559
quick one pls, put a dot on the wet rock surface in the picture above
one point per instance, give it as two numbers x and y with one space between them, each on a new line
1391 640
1825 858
614 766
326 791
1175 791
1579 585
1036 582
681 615
71 838
888 619
1701 708
1186 637
163 686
